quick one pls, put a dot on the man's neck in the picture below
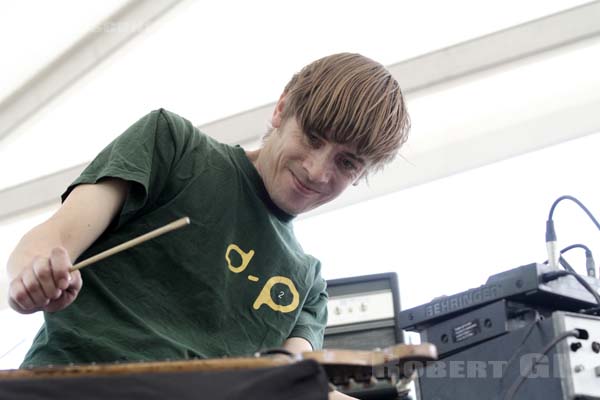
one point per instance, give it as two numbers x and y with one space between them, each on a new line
252 156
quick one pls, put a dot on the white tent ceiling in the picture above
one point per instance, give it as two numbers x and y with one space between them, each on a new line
483 81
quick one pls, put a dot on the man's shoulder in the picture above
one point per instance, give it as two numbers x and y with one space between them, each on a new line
175 122
170 116
183 129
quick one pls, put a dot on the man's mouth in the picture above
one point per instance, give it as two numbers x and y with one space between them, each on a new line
302 188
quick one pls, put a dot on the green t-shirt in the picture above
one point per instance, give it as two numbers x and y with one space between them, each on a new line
233 282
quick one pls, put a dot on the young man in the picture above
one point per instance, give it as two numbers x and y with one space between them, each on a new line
235 281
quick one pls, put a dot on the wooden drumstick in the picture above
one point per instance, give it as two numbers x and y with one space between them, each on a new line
133 242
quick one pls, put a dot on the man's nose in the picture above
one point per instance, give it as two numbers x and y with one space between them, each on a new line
318 164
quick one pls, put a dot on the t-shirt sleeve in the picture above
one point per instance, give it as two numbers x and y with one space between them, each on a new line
313 316
143 155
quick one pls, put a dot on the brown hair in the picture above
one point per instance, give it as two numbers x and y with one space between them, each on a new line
350 99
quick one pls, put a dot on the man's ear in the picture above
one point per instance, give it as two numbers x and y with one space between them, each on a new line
278 111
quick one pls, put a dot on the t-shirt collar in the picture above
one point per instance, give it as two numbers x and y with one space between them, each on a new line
253 175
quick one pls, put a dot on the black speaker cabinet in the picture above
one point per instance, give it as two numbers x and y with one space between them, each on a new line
363 312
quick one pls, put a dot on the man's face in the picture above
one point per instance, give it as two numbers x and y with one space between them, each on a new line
302 170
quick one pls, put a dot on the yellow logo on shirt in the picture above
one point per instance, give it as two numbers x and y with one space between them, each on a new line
264 297
246 257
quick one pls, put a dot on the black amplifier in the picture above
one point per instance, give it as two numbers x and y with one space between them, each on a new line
522 284
478 325
363 312
493 368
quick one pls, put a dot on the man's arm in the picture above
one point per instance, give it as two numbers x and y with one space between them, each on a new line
298 345
39 265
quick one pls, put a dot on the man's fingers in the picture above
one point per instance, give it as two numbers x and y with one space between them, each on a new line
43 273
33 288
76 282
46 284
60 262
19 296
68 296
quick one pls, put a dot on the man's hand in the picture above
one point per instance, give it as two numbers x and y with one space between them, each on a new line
46 284
340 396
298 345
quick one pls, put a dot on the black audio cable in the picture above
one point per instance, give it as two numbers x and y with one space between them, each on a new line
528 329
565 264
577 333
551 233
590 265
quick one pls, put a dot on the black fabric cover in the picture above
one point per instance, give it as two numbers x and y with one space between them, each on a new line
302 380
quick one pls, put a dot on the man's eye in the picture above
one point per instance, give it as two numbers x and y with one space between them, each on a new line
348 165
313 140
